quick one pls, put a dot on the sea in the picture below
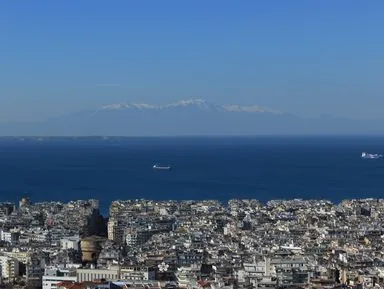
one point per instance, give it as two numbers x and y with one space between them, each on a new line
221 168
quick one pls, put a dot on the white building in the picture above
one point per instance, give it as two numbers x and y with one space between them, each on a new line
251 273
35 235
70 243
131 239
97 274
54 276
9 237
137 273
185 277
9 267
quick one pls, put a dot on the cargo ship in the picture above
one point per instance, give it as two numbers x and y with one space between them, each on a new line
157 167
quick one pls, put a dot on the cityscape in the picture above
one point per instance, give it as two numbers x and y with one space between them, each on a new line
192 244
191 144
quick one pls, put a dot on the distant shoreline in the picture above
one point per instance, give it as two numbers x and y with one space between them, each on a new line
104 210
207 136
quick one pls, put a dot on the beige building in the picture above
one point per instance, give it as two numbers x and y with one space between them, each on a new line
115 231
21 256
9 268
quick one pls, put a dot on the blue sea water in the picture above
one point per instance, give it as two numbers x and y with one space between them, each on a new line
220 168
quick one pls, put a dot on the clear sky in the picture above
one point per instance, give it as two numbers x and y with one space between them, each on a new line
304 57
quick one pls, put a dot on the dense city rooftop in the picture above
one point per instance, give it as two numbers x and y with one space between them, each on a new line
193 244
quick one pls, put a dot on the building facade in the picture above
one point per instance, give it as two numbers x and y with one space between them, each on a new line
9 268
97 274
53 276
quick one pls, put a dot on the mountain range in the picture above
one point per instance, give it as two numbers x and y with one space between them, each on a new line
187 117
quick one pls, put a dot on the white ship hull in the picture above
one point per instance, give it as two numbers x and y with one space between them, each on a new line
365 155
156 167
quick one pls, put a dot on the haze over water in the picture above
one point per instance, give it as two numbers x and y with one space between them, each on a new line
220 168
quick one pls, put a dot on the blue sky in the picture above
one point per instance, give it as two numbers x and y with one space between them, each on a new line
304 57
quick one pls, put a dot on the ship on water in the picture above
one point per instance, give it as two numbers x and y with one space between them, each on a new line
157 167
365 155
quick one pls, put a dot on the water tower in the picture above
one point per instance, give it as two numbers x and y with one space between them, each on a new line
91 248
24 202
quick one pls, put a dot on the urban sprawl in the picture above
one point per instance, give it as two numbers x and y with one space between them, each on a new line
192 244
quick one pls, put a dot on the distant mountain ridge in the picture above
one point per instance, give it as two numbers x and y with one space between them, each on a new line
197 103
187 117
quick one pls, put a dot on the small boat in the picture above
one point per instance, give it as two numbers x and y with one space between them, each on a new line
157 167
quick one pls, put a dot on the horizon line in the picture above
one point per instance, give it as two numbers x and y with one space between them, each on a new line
200 135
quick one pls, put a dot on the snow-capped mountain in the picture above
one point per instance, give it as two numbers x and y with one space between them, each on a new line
190 103
119 106
187 117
